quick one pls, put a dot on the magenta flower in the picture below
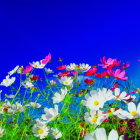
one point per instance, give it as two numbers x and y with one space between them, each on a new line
27 70
118 74
47 59
109 63
125 65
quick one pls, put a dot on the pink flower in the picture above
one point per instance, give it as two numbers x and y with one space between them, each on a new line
125 65
91 71
61 67
47 59
27 70
109 63
118 74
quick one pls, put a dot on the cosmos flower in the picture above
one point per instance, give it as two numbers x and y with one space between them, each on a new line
100 134
120 96
34 105
58 97
109 63
13 71
27 70
66 80
40 130
28 84
89 81
48 70
133 112
47 59
8 81
91 71
71 67
84 67
1 132
62 67
37 65
118 74
94 100
95 117
50 114
55 133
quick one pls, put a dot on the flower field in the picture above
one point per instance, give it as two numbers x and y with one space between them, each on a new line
71 102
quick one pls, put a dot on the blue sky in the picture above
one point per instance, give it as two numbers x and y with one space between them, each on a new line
77 31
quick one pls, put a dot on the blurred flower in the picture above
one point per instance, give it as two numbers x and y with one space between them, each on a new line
84 67
8 81
28 84
109 63
66 80
89 81
1 132
100 134
58 97
27 70
34 77
34 105
125 65
9 96
47 59
91 71
71 67
61 67
37 64
50 114
13 71
48 70
55 133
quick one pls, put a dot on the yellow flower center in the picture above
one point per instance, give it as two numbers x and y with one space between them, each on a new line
134 113
117 96
54 133
96 103
84 68
66 82
40 131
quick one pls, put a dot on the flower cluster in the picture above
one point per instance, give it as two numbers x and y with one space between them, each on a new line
79 101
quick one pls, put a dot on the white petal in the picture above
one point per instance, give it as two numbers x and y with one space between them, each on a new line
100 134
113 135
131 107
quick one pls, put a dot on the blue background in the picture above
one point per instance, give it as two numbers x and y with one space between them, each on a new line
77 31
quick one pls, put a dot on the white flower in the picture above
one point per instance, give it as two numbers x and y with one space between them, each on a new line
34 105
66 80
132 113
100 134
84 67
48 70
8 81
1 132
9 96
17 107
40 130
37 64
58 97
71 67
52 82
28 84
107 93
94 100
95 117
13 71
120 96
50 114
56 134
